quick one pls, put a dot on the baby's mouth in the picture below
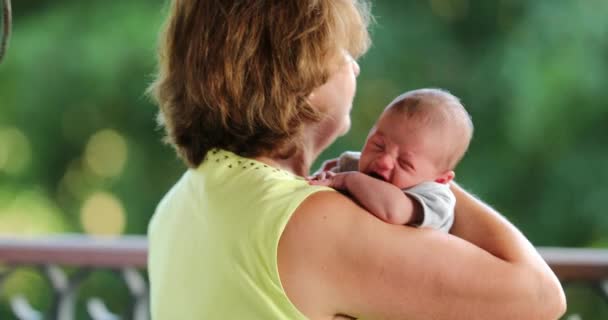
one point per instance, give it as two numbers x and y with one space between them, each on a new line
377 176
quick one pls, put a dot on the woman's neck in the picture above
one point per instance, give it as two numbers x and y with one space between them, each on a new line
319 136
298 164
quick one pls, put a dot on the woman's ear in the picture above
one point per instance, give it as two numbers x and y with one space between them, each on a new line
313 98
446 177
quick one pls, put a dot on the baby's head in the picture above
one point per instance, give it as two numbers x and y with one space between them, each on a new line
421 136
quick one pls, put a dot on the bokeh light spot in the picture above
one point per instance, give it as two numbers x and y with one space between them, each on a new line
106 153
29 212
102 214
15 151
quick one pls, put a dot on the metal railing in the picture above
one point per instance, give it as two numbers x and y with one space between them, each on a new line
126 256
51 256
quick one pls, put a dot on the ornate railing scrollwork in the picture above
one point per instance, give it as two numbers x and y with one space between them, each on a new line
83 256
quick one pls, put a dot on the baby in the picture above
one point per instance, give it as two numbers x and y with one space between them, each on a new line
408 161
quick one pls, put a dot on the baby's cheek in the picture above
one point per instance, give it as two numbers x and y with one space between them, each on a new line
400 181
363 162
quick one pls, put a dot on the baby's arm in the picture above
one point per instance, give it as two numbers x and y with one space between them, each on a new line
382 199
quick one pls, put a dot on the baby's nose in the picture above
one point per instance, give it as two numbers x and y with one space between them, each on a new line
385 161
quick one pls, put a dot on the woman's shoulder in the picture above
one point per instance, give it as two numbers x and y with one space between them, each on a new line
225 175
330 215
319 247
332 247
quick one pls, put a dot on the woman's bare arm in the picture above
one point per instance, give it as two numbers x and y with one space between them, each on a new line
336 258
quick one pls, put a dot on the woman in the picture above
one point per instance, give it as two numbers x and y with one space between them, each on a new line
250 93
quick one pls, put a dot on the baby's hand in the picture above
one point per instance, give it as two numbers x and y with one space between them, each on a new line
329 179
327 165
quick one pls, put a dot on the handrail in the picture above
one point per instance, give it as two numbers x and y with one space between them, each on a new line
577 263
131 251
75 250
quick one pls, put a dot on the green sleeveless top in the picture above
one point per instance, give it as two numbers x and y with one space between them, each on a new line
213 241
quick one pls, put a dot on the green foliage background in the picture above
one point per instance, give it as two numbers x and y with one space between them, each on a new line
531 73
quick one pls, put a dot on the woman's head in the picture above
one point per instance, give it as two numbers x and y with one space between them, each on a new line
238 74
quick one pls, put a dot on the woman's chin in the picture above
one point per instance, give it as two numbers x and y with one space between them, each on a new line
345 128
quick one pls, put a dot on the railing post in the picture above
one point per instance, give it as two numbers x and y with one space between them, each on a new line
64 290
138 289
603 287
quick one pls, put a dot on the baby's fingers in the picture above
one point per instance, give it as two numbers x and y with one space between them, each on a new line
321 176
322 182
329 174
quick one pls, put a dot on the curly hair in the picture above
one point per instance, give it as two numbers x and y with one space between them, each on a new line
237 74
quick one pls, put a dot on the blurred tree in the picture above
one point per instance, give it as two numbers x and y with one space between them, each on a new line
77 129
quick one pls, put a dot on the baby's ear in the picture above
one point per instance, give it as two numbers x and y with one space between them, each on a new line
446 177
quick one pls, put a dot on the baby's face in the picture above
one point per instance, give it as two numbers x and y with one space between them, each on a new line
401 153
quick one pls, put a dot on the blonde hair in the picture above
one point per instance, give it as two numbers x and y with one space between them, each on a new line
438 108
236 74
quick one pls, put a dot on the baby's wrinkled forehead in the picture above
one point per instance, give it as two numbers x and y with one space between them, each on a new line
436 112
430 108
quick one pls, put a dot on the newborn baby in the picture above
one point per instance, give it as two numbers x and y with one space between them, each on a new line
402 174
